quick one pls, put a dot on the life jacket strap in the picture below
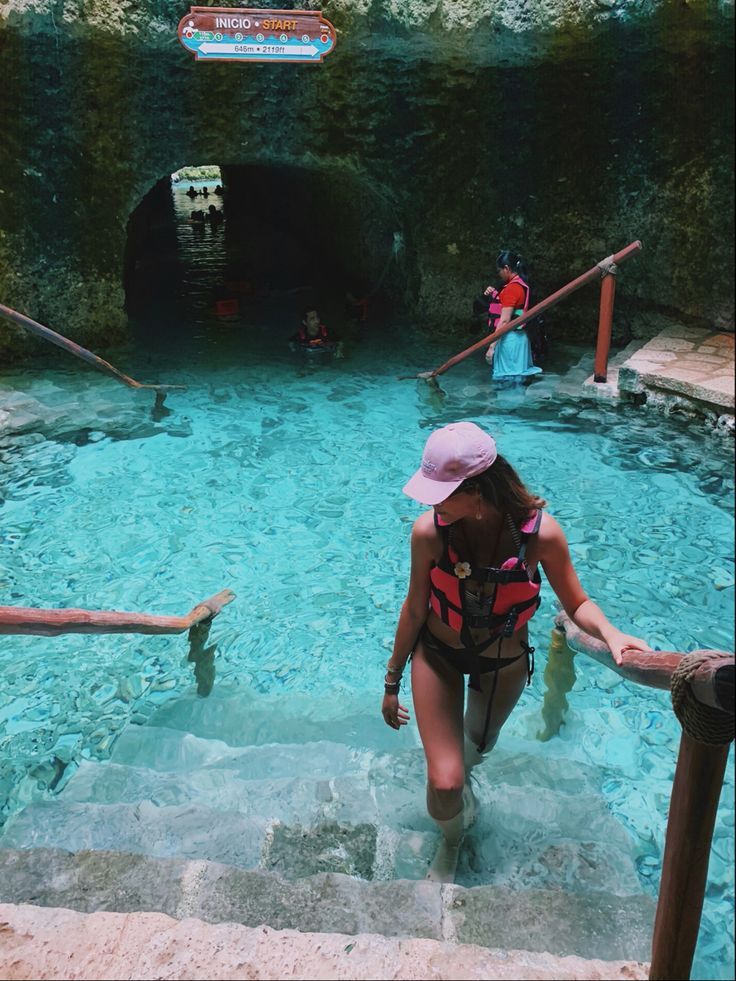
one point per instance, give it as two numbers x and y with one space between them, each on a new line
525 535
501 576
445 604
529 651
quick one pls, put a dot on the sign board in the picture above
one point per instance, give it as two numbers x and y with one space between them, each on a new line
235 34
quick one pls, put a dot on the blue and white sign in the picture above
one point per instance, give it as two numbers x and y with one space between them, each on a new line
233 34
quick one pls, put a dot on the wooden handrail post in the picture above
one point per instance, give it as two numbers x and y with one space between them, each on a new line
605 324
695 794
701 683
601 268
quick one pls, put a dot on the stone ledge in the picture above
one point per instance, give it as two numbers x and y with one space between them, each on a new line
59 943
693 363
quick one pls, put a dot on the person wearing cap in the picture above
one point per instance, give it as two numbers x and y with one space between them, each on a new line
474 586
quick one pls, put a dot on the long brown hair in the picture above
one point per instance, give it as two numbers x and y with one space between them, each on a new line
502 487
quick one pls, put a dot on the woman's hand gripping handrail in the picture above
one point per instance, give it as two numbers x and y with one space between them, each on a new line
651 668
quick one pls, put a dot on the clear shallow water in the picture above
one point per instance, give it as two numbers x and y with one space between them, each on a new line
280 477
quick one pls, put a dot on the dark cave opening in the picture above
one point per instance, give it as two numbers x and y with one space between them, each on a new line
277 239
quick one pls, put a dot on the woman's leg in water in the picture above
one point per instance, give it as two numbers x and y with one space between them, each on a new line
511 683
438 692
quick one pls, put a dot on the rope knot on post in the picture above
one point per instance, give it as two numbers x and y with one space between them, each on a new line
704 724
607 266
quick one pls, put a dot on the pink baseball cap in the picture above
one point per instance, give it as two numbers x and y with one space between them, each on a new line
451 455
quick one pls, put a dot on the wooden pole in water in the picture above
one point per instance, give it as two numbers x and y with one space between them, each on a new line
559 677
51 623
702 685
605 325
80 352
693 807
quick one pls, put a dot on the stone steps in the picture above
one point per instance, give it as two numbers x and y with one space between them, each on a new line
206 811
62 943
576 381
194 831
598 925
174 750
241 718
304 808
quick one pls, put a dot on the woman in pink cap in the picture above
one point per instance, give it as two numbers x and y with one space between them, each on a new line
474 586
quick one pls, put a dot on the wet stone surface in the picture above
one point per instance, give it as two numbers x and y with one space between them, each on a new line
298 852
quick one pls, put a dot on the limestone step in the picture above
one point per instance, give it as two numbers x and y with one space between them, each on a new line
519 839
194 831
174 750
549 840
88 946
240 717
571 385
381 790
521 762
186 831
302 800
596 925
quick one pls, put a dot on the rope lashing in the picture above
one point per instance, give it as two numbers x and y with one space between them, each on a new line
701 722
607 266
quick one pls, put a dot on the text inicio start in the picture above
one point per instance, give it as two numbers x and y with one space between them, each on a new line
244 23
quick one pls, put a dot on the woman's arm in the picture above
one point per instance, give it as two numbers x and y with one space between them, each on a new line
506 315
413 614
416 605
554 557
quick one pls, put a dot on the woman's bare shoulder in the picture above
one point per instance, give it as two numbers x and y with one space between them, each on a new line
550 533
425 538
424 527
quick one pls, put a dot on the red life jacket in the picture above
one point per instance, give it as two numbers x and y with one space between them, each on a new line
304 337
516 597
495 307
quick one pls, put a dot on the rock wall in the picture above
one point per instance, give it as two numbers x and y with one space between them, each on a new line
563 129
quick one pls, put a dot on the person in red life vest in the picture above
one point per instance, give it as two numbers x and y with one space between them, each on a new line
511 355
312 332
474 586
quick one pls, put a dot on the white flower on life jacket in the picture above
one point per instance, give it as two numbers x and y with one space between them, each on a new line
462 570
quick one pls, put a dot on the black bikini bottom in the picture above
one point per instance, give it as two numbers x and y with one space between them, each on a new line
467 660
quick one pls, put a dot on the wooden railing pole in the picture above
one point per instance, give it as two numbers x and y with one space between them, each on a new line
701 684
695 794
599 269
79 352
605 325
50 623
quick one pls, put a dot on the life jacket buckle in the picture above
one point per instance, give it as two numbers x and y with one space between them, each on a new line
508 628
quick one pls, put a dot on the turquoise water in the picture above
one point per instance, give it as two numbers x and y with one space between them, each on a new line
280 477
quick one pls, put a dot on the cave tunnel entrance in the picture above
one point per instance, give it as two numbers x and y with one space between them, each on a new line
275 240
